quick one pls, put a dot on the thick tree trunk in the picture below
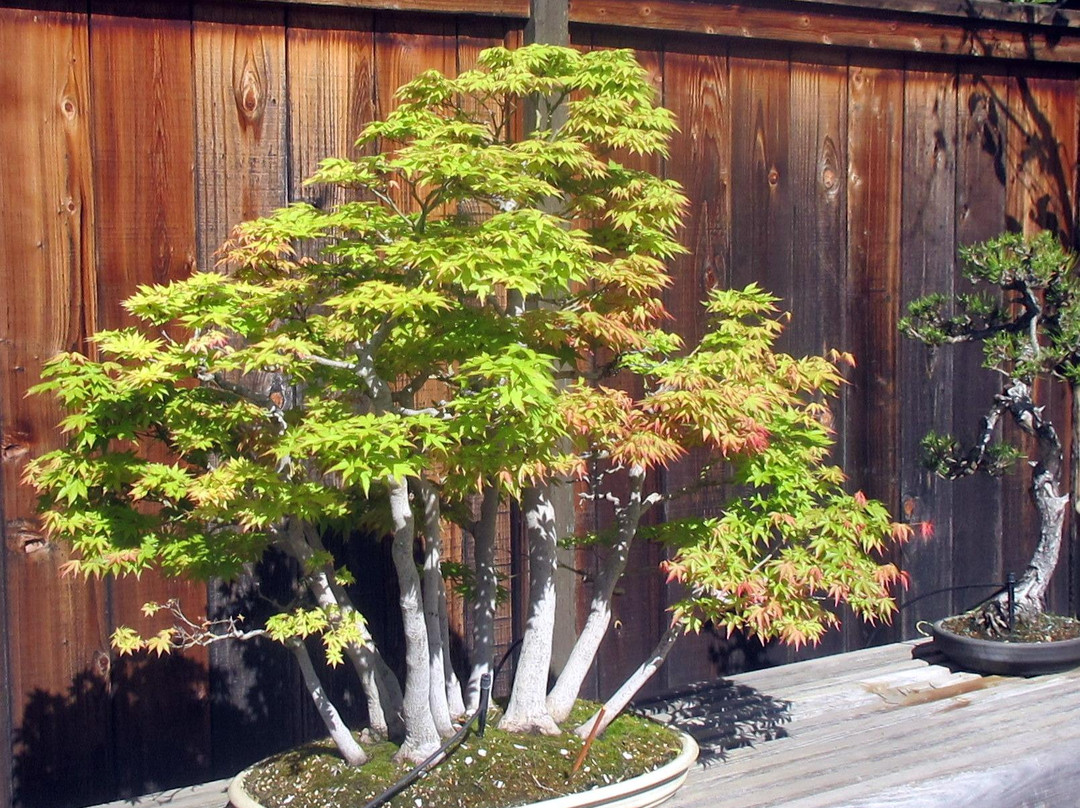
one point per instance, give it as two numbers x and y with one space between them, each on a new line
421 734
433 608
637 680
343 739
561 699
487 590
527 710
1049 503
381 689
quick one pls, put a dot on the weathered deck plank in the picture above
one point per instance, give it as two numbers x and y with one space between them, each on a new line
895 730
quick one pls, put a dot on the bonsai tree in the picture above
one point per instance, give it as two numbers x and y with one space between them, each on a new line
461 332
1029 327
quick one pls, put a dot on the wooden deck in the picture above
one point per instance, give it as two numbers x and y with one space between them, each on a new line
894 726
889 727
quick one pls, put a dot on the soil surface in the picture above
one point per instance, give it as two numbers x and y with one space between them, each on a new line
1045 628
495 771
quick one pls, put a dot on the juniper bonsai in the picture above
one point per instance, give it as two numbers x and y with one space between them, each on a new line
1029 326
446 341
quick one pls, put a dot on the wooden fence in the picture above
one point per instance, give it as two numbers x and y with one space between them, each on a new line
836 153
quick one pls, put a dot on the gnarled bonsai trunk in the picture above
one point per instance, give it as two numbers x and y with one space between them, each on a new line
1050 505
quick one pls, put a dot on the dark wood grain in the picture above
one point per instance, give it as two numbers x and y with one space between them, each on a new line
697 90
824 26
926 397
980 214
331 93
874 183
143 102
240 164
57 632
761 173
818 160
240 161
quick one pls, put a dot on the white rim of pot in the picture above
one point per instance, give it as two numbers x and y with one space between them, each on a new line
643 791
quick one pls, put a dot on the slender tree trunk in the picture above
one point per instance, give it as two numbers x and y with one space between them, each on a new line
527 710
630 688
343 739
562 696
381 689
433 609
454 699
487 590
421 734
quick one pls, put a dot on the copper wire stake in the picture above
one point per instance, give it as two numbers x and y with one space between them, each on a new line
588 743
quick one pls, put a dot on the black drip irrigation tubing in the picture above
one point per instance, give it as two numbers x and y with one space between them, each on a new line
997 586
443 752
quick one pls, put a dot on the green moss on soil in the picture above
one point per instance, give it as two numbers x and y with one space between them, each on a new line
1044 628
496 771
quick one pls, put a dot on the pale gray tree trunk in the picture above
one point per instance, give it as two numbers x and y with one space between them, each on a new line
1049 503
487 590
381 689
561 699
421 734
527 710
339 733
637 680
433 608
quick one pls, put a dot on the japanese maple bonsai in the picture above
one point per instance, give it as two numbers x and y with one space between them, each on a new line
447 339
1027 318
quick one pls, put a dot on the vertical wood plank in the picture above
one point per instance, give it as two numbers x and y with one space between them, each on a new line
145 233
697 89
874 180
761 210
928 246
241 173
57 645
980 214
818 160
331 92
240 162
761 177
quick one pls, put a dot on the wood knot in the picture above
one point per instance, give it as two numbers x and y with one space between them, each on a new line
249 87
828 179
24 537
14 447
67 106
774 177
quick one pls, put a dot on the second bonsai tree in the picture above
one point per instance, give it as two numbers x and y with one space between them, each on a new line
1029 327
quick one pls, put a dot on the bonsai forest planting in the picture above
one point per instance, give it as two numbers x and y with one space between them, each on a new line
479 319
1028 323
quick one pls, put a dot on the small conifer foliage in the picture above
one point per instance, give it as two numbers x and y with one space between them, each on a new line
478 318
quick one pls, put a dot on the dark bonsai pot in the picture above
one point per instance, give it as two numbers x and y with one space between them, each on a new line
1006 658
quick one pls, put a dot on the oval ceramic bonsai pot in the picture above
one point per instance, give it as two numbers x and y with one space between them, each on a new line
643 791
1006 658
